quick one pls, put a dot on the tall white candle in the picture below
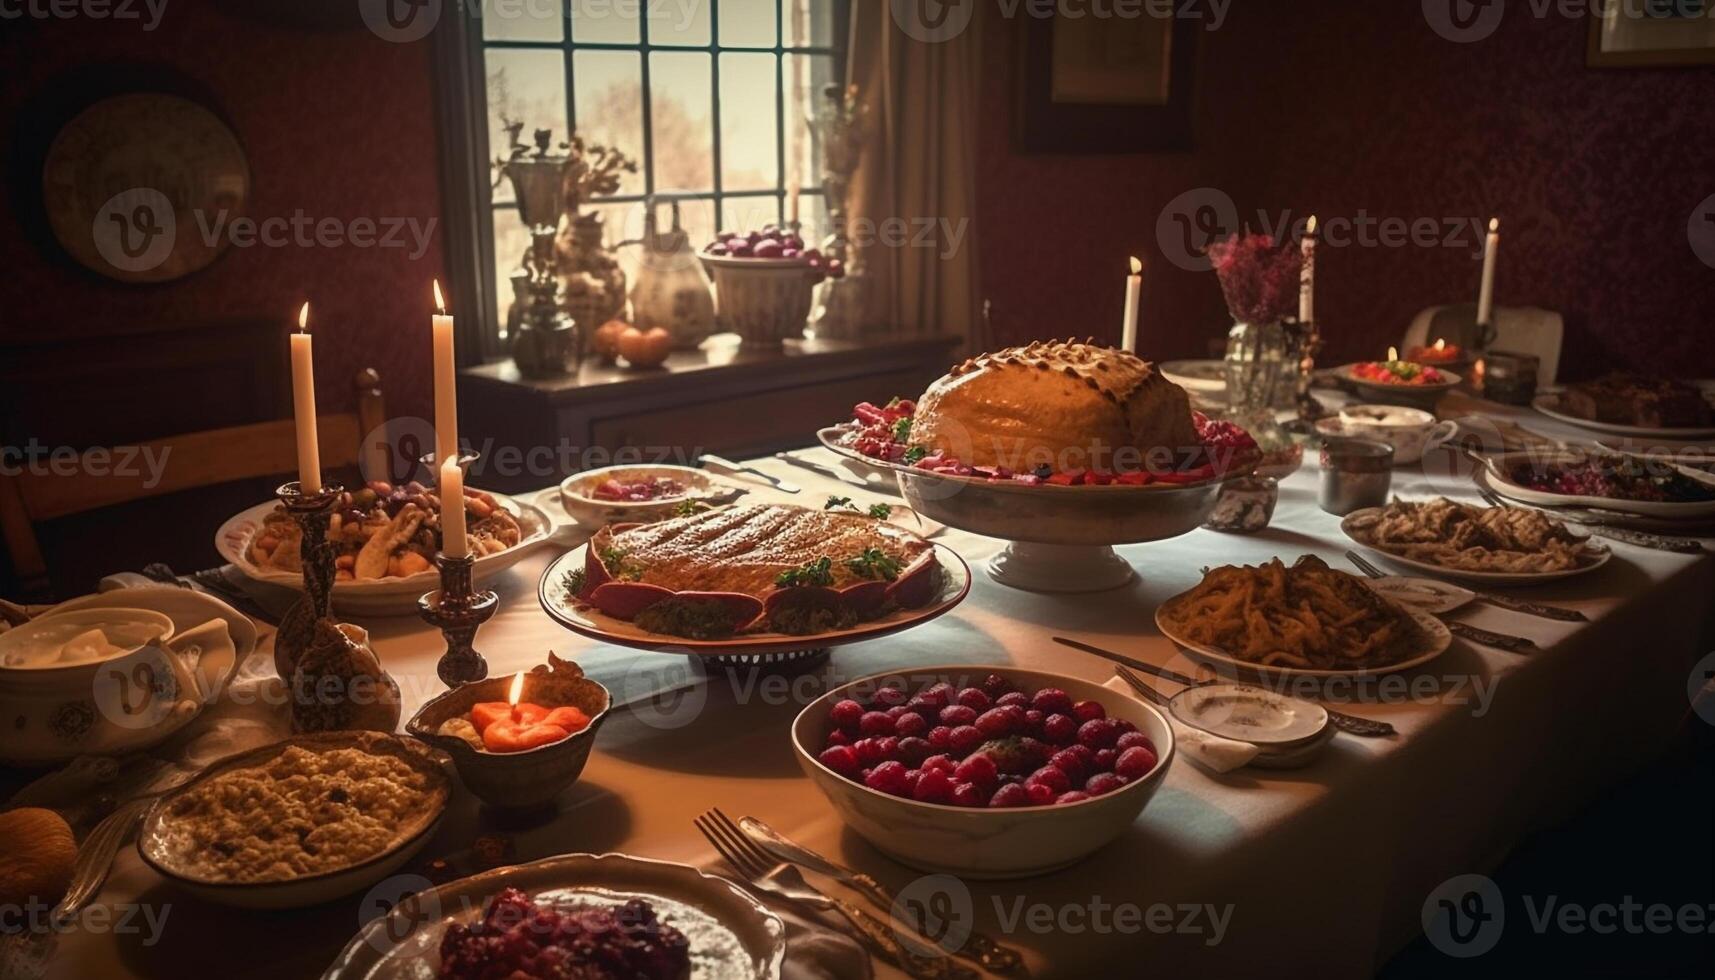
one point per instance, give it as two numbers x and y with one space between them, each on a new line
1486 298
446 382
453 541
1307 275
304 406
1133 288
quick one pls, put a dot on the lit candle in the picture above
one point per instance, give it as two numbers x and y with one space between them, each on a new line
1307 275
1486 298
792 205
1133 287
304 406
446 382
453 541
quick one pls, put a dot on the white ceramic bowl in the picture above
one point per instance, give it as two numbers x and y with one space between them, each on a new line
592 512
983 843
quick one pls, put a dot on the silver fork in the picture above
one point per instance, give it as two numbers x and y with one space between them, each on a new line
783 881
95 857
1476 634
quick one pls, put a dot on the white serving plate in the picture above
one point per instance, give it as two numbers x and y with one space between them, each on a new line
1434 639
383 596
187 608
833 438
715 915
1490 477
313 889
1548 403
982 843
1433 596
593 513
1599 555
591 622
1204 377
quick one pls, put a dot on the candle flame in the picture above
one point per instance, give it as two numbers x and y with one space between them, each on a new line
1310 229
1494 224
440 303
1441 344
1393 353
304 317
1136 266
517 689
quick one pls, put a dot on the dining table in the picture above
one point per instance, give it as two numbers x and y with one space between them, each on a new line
1329 869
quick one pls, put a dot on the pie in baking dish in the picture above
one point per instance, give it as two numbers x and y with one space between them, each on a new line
755 567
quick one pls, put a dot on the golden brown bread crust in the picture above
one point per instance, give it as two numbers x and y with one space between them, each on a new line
1065 404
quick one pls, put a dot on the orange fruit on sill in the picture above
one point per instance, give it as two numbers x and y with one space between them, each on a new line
37 851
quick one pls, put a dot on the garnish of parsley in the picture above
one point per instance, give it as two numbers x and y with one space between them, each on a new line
874 564
614 559
818 572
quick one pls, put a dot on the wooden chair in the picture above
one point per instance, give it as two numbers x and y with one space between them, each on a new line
33 494
1525 329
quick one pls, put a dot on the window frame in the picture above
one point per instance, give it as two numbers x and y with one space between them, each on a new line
461 94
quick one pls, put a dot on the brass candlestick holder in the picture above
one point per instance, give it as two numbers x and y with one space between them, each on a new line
312 512
457 610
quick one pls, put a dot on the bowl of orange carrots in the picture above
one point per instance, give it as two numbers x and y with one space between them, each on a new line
517 740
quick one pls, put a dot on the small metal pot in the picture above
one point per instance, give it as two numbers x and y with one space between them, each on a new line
1356 473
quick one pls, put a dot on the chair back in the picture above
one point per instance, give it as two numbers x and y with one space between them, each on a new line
1523 329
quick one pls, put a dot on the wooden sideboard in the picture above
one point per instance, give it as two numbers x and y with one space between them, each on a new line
720 399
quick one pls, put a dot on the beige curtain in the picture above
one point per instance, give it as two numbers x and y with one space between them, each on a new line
914 193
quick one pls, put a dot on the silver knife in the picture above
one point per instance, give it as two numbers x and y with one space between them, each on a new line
1532 608
1350 724
826 471
978 948
1489 638
728 466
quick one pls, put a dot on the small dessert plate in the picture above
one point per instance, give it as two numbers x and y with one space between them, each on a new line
1426 594
1250 714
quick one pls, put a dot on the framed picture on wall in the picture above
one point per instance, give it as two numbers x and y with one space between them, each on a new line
1652 33
1104 85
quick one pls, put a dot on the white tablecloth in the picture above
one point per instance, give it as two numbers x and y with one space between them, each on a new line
1323 870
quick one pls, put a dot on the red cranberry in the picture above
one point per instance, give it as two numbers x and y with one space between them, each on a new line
1102 782
933 786
1088 710
999 722
889 777
979 769
974 699
1059 729
915 750
897 712
995 685
1135 763
940 695
1039 793
967 794
941 737
1132 740
965 738
868 751
1125 727
1033 720
889 697
923 709
1018 698
874 723
1052 777
846 714
911 777
840 759
942 763
1098 733
1052 701
1075 796
888 746
906 726
958 714
1105 759
1075 766
1012 794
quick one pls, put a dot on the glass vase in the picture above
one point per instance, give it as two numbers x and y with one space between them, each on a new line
1255 363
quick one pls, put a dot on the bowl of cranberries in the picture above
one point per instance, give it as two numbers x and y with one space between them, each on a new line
984 772
639 494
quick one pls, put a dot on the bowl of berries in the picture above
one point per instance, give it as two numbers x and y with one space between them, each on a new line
763 283
984 772
641 494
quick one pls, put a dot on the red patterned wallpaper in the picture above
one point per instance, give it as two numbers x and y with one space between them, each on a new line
1348 108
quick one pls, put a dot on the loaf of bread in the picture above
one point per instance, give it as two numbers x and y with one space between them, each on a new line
1068 405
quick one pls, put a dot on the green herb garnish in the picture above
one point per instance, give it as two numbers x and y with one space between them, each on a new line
686 508
818 572
614 559
881 512
695 619
874 564
837 502
914 454
575 581
902 430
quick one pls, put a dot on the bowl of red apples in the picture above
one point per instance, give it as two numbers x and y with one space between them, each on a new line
984 772
763 281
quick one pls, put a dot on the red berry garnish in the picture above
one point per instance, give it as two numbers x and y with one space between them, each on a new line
944 763
1105 759
1075 766
970 697
941 737
906 726
840 759
1131 740
1052 777
874 723
1000 722
967 794
915 750
979 769
1033 720
933 786
1075 796
1014 698
1135 762
1012 794
965 738
1102 782
889 777
889 697
1087 710
897 712
868 751
1052 701
1098 733
1039 794
1060 729
846 714
958 714
939 695
838 737
995 685
888 746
